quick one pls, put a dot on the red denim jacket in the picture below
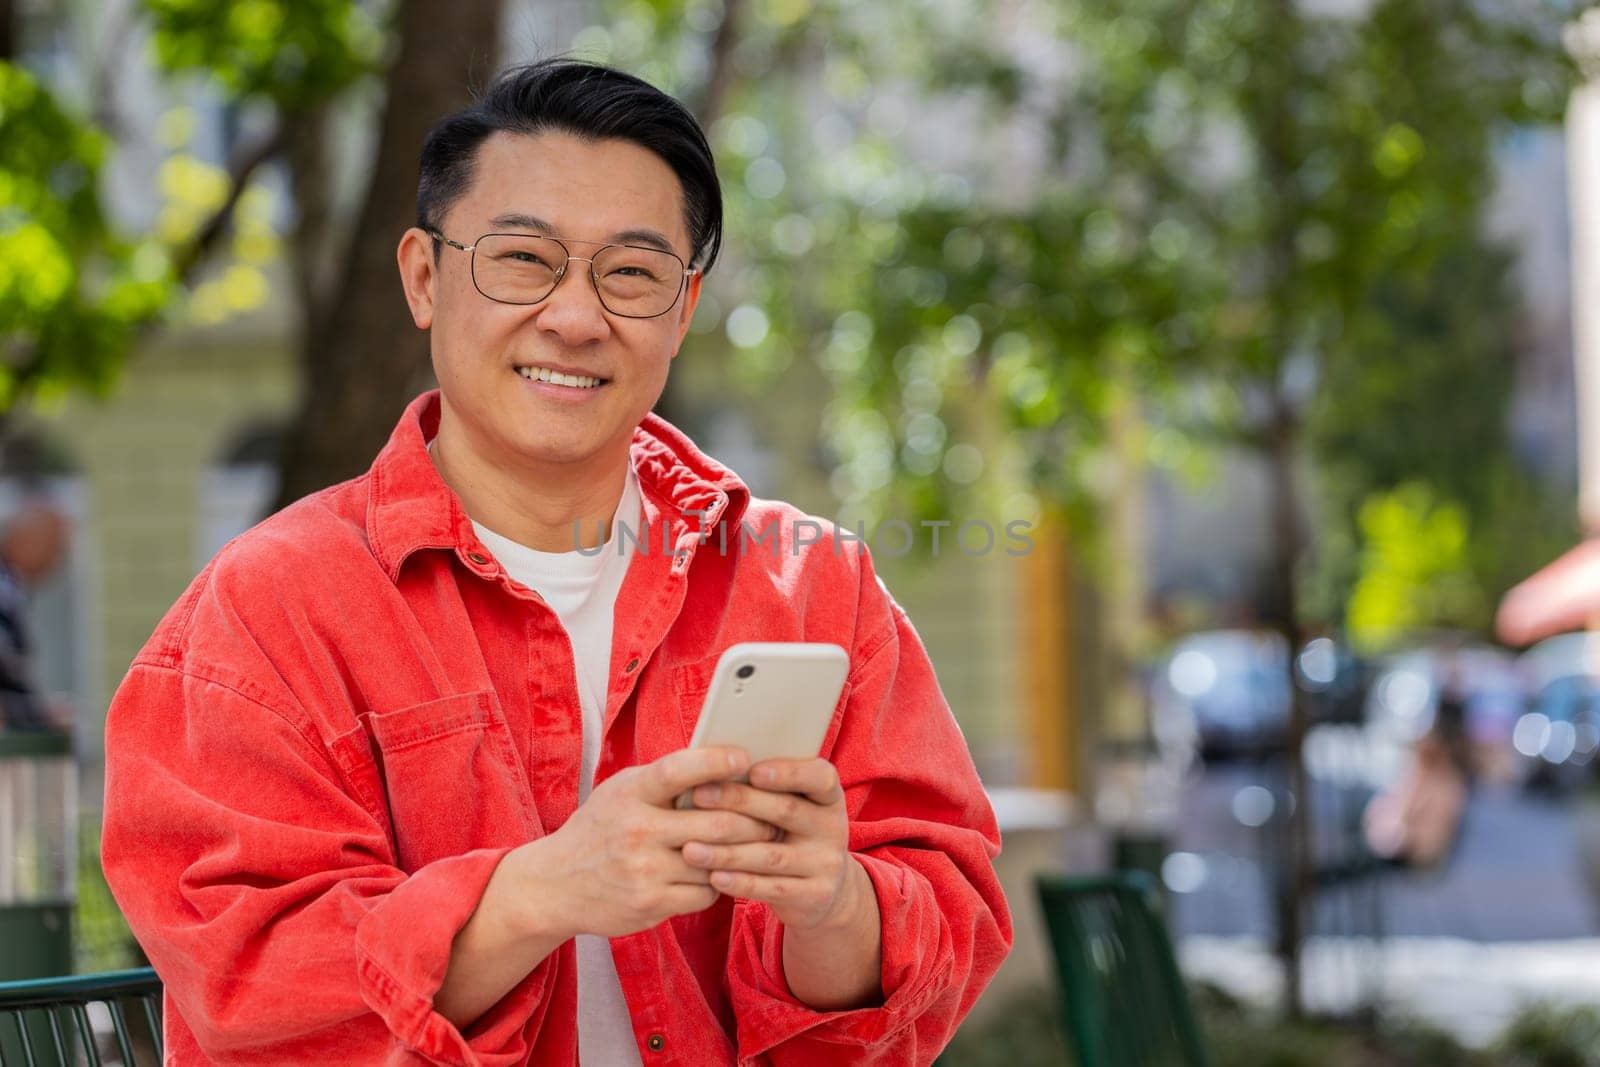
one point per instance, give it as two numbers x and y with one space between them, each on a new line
353 713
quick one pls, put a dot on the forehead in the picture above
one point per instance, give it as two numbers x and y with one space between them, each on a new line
583 189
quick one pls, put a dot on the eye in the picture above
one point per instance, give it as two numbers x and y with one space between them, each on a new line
644 272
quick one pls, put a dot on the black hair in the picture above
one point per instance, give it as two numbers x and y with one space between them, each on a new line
590 101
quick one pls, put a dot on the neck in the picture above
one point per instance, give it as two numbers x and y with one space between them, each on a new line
545 506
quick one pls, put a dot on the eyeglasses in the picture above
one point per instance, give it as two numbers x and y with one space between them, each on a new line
520 268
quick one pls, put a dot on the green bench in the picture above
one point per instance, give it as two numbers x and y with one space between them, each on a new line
46 1022
1123 1001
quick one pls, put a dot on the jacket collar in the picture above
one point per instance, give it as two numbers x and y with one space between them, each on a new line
409 507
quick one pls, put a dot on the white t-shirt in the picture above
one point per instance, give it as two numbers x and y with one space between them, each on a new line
581 588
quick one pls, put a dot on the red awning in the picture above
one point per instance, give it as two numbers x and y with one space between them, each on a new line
1563 596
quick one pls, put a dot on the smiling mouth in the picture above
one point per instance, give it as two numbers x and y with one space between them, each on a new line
571 381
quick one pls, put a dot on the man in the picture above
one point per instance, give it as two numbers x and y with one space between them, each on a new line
394 780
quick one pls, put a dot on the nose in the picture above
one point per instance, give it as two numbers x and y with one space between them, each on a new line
572 311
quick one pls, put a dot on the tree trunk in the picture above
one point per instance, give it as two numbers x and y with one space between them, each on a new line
1288 542
707 105
363 359
8 30
1278 142
314 248
713 96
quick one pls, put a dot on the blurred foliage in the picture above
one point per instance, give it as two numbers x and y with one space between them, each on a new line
72 291
1257 221
101 939
1414 568
295 53
1545 1035
75 291
1025 1033
1261 220
276 62
1423 385
1422 380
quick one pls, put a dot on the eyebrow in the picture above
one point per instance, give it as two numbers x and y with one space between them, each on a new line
638 236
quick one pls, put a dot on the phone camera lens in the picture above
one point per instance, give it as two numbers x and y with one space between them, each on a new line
746 671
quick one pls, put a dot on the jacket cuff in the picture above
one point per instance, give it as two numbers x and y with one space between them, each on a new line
918 962
403 951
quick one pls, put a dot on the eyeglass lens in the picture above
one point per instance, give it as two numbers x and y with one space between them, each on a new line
524 269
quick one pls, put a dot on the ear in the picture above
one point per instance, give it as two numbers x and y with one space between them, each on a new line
691 297
419 274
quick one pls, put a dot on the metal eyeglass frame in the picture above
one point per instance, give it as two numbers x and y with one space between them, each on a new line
561 272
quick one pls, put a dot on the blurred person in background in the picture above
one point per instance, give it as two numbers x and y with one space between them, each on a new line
394 781
1418 821
33 544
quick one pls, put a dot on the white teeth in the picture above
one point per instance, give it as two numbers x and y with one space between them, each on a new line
544 374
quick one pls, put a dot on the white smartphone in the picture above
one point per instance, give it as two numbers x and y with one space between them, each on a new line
773 699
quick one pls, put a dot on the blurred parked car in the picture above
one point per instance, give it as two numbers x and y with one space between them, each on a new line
1226 693
1560 728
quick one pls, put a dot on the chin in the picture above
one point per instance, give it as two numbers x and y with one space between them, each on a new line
545 450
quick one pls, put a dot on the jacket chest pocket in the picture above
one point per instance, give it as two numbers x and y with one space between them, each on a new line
452 779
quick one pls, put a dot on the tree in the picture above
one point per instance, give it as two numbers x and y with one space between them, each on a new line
1438 359
72 290
290 68
360 356
1299 168
294 69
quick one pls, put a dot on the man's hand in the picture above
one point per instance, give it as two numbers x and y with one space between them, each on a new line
619 858
806 875
615 867
833 934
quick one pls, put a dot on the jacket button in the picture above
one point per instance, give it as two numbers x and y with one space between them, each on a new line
656 1042
633 665
479 558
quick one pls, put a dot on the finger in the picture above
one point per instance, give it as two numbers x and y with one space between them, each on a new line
684 873
683 899
815 779
672 869
770 888
764 858
789 812
686 768
716 827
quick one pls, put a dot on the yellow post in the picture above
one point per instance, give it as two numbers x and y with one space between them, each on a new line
1047 626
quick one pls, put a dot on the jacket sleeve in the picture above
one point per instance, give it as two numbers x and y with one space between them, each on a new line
267 896
922 826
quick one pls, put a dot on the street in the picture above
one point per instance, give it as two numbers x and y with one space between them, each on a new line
1504 923
1514 877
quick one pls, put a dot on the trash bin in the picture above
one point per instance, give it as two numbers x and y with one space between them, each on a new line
38 854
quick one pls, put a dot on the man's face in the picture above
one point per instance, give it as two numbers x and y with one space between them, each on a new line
485 353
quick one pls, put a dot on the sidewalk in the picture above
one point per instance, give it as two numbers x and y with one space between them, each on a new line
1471 989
